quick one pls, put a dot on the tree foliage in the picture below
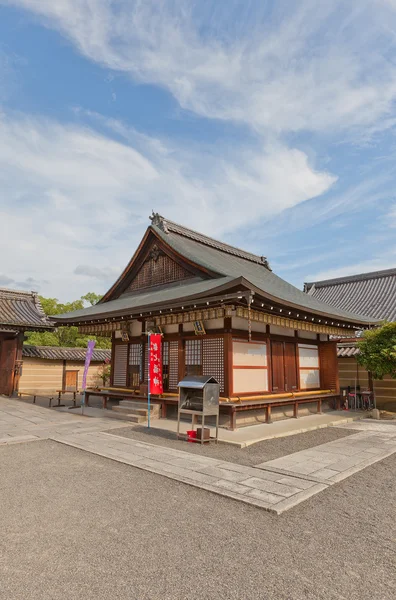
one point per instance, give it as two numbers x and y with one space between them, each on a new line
66 336
378 351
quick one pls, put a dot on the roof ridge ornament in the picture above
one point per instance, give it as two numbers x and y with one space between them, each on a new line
158 221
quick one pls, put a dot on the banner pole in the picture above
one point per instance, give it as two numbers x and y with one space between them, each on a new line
149 382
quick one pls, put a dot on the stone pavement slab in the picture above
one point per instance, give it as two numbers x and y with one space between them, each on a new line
20 422
247 436
268 490
334 461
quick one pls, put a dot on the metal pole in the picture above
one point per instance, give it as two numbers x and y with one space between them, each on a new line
149 381
82 402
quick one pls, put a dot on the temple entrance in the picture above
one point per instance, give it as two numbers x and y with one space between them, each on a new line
8 353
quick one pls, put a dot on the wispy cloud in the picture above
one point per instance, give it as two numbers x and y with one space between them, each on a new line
379 263
97 273
80 189
281 68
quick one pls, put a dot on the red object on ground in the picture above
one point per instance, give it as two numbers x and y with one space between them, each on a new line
191 435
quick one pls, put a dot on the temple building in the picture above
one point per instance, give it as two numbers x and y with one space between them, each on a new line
222 313
19 312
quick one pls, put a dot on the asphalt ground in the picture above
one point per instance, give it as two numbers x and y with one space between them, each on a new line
77 526
250 456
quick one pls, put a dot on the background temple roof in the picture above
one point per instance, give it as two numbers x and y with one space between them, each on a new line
61 353
22 310
347 350
372 294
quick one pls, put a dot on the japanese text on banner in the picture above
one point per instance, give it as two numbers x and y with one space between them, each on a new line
156 386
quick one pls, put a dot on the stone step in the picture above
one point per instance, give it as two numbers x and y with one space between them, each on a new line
133 404
126 417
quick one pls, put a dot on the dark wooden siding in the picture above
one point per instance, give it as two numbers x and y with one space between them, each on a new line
158 270
329 379
290 366
278 370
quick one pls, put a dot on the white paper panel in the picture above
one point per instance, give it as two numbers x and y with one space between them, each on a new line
250 380
309 379
247 354
308 355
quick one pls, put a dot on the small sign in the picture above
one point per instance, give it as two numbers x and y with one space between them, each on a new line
124 336
199 328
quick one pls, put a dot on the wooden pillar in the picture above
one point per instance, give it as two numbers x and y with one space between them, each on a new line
112 359
181 353
228 373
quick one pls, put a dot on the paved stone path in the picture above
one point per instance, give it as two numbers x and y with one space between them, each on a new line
335 461
22 422
267 490
275 485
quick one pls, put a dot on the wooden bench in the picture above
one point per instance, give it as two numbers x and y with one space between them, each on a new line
35 396
107 394
233 408
61 392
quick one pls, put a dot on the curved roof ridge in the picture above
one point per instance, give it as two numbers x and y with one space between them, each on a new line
350 278
170 226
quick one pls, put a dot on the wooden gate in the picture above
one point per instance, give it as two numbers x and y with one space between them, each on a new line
71 381
8 351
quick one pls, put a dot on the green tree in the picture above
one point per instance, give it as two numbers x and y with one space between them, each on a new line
66 336
378 351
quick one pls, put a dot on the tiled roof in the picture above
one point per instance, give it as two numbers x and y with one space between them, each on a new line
57 353
230 267
371 294
22 310
347 350
171 227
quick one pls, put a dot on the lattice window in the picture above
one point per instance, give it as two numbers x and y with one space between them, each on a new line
165 365
146 359
213 359
193 357
135 366
173 365
120 365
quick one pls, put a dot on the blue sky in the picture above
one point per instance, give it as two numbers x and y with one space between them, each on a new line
267 124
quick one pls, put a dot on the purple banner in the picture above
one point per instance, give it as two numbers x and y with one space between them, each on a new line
88 356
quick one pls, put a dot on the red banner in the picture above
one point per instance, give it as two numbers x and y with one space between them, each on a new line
155 364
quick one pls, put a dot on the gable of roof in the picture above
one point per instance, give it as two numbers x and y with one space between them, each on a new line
372 294
62 353
221 266
22 311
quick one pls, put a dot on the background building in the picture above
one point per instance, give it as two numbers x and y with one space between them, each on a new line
372 294
19 312
47 369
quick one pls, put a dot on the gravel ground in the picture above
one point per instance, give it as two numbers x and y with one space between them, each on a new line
250 456
78 526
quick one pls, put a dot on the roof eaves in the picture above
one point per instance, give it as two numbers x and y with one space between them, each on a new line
136 310
349 317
